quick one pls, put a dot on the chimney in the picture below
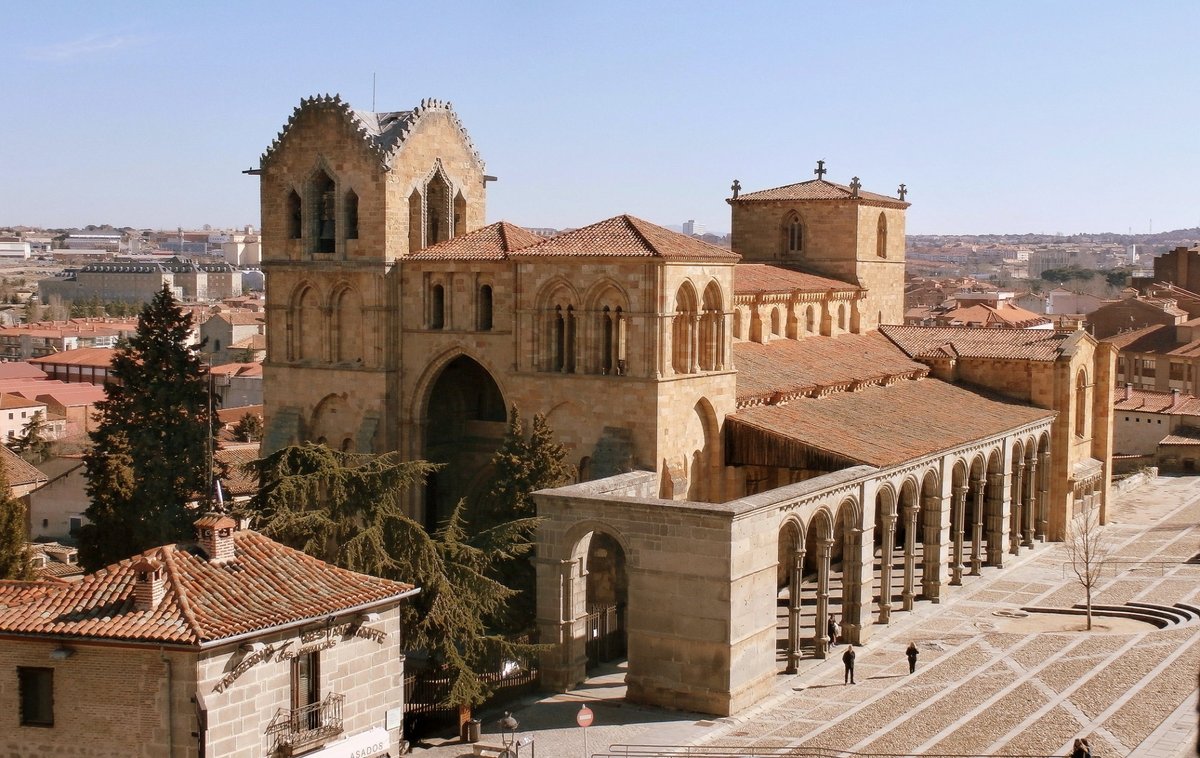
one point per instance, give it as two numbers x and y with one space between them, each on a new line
1174 398
149 583
1128 391
214 534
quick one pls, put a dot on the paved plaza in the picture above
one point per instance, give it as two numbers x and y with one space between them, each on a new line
986 683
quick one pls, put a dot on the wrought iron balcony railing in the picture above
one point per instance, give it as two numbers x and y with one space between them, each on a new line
296 729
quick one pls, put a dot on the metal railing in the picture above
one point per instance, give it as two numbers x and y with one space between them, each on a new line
296 729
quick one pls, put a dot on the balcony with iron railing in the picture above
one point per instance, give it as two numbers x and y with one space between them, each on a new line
294 730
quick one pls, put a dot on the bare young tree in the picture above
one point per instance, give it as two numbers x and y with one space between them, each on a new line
1088 547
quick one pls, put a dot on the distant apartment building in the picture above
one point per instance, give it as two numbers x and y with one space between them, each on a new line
1060 301
139 281
15 414
1133 312
94 240
690 227
1156 428
231 645
22 342
14 247
238 384
1163 358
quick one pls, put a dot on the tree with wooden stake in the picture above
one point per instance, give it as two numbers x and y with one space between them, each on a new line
1088 547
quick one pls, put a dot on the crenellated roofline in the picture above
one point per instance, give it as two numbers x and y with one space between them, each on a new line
384 134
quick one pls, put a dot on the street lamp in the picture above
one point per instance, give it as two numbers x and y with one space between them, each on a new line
509 725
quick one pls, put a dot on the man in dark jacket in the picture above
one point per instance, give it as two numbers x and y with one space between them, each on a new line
912 654
848 659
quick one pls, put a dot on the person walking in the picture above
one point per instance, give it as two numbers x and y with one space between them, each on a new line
848 659
831 631
1081 749
912 654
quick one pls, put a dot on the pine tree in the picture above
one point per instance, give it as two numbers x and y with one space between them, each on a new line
33 445
14 556
150 453
347 509
249 428
521 466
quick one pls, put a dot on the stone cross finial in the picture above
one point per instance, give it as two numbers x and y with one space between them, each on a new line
737 187
820 170
855 186
902 191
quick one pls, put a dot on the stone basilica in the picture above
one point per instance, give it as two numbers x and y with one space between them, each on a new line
760 446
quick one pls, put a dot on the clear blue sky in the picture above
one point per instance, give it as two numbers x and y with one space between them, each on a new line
1000 117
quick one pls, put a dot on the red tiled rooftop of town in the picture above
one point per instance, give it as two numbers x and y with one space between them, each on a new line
1151 401
96 357
265 585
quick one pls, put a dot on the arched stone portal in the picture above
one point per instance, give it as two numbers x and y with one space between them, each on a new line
607 599
465 421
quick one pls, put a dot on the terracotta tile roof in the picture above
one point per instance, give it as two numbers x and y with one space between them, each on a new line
264 586
879 426
1150 401
1004 315
1184 435
753 278
253 342
819 189
237 369
20 370
241 318
492 242
1020 344
97 357
1151 339
9 401
789 368
19 471
628 237
234 415
236 480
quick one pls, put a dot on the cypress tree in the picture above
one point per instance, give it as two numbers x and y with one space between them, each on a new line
150 451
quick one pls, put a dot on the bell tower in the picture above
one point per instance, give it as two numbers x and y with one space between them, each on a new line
836 230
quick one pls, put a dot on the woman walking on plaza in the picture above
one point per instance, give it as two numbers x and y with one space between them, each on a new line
912 654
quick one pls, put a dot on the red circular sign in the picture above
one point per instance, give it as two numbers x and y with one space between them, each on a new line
584 717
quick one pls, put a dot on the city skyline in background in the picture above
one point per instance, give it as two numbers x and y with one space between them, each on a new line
999 119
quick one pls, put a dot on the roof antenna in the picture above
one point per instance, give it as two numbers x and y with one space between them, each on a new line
372 91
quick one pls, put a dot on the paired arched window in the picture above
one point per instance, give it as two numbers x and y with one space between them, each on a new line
683 331
810 320
612 341
711 347
437 210
881 236
562 348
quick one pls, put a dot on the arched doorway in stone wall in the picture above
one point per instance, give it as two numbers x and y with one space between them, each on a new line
789 597
884 571
607 599
465 421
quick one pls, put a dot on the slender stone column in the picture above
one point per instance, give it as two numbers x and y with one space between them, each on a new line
931 557
977 527
960 513
822 623
910 555
1014 524
995 520
694 351
1043 495
853 617
795 579
885 569
1030 506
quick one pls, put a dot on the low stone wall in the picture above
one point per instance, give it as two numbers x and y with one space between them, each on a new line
1133 481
